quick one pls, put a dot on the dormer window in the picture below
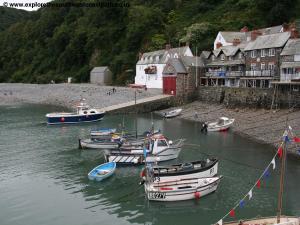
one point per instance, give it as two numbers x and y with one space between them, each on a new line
253 53
271 52
157 58
263 53
240 55
222 57
175 55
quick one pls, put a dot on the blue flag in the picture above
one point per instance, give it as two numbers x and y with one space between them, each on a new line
266 173
242 204
145 152
286 138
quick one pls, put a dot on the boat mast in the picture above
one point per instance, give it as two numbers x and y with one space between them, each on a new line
282 172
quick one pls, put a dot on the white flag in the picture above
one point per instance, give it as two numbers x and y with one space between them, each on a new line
250 194
290 128
220 222
273 162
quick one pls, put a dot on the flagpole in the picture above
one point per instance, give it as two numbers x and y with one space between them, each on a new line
282 172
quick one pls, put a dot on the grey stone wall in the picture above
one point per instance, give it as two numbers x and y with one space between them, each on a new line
262 98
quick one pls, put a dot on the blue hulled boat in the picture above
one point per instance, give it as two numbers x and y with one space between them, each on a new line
83 114
102 171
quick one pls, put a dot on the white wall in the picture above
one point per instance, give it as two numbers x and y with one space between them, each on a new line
220 39
150 80
297 58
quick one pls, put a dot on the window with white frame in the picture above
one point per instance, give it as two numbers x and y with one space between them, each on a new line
253 53
271 66
262 66
253 66
240 55
271 52
222 57
263 53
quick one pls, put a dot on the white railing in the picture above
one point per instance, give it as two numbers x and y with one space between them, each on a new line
224 73
289 77
260 73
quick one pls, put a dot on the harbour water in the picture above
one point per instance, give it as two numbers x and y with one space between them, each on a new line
43 175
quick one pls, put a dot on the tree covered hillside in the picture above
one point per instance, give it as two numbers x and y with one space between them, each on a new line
9 16
56 43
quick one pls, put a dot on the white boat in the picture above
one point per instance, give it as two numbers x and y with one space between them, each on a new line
159 149
103 131
84 113
99 143
181 189
196 169
102 171
172 113
222 124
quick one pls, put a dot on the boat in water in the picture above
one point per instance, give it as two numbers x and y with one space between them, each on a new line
102 171
103 131
187 170
222 124
181 189
84 113
172 113
157 149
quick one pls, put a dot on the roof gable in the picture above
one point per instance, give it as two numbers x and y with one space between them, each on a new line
292 47
99 69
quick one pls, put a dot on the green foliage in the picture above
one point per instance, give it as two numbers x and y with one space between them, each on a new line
56 43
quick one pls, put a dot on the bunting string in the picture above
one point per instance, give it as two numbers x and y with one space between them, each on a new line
264 175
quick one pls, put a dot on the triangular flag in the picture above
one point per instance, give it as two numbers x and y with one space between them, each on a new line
220 222
232 213
242 204
250 194
286 138
296 139
290 128
266 173
273 162
258 184
279 152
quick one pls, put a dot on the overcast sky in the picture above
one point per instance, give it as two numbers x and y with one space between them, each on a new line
6 3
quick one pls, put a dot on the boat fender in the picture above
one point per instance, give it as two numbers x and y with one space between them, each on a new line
143 173
197 195
135 161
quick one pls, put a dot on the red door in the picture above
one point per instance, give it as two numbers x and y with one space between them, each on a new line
169 85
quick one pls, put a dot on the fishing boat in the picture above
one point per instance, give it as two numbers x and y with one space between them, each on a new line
172 113
102 171
188 170
158 149
111 142
84 113
181 189
222 124
284 220
103 131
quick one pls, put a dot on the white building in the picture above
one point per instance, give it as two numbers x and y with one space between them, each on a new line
150 66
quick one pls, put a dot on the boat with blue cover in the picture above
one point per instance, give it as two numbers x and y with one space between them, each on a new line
102 171
84 113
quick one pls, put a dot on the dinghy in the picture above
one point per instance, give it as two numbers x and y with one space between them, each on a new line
222 124
181 189
102 171
172 113
111 143
188 170
83 114
103 131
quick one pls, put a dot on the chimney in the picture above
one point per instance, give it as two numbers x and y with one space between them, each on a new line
236 41
219 45
244 29
285 27
187 43
294 33
168 46
255 34
140 55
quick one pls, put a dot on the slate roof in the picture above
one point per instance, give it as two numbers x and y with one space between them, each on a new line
229 50
226 62
292 47
191 61
177 64
160 56
99 69
229 36
290 64
268 41
206 54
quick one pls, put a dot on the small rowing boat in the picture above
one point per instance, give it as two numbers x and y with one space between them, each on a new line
172 113
102 171
222 124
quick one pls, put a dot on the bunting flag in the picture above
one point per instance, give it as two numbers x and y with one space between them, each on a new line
258 184
266 173
274 165
242 203
250 194
232 213
279 152
145 152
286 138
220 222
296 139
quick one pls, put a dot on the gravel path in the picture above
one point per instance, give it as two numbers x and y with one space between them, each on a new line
264 126
69 94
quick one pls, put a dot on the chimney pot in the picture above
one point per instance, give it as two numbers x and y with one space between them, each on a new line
168 46
244 29
254 34
236 41
294 33
140 55
219 45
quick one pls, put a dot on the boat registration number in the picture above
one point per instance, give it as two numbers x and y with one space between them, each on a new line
157 195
